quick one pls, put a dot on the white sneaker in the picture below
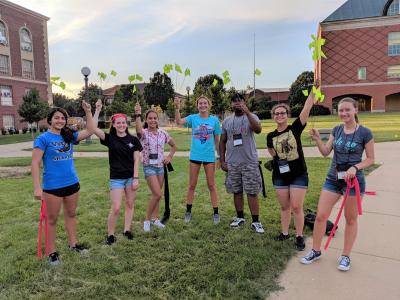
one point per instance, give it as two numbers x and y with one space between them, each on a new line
257 226
146 226
237 222
158 223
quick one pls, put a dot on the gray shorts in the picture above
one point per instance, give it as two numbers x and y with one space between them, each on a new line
243 177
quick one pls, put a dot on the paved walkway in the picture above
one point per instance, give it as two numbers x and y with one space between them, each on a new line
375 269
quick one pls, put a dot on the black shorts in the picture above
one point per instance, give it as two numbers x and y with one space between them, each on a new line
64 191
199 162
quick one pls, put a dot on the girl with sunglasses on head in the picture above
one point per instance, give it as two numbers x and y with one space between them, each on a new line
153 141
206 130
123 157
60 184
289 170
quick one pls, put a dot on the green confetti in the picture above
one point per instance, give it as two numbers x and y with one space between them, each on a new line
102 75
113 73
187 72
257 72
305 93
62 85
227 80
225 74
317 44
178 68
215 82
54 78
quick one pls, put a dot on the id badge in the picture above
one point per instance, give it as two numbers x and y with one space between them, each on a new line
283 166
237 140
153 158
341 175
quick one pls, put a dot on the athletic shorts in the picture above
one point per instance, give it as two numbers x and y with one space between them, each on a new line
64 191
199 162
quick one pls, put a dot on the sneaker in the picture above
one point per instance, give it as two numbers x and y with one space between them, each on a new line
79 248
282 237
146 226
311 257
344 263
128 235
257 226
299 243
216 218
237 222
188 217
111 239
158 223
54 260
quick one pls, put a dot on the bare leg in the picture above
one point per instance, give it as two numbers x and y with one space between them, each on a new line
130 196
297 196
284 201
210 176
116 197
70 203
194 170
155 197
350 231
53 206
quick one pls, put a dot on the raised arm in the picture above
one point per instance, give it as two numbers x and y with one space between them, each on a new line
255 126
325 149
37 155
178 119
90 126
172 151
138 120
305 112
97 131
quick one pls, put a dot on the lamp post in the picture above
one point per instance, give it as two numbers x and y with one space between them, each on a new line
86 72
188 99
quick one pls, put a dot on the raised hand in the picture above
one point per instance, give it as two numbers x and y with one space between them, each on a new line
99 105
86 106
138 109
244 107
314 134
177 102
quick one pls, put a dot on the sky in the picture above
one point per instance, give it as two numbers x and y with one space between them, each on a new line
140 36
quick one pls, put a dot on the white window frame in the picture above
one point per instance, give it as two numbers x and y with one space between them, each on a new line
362 73
6 95
8 65
394 8
10 123
28 74
4 39
393 71
26 45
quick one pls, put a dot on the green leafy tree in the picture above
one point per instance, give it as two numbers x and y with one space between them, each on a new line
261 106
189 106
170 111
33 108
120 104
94 93
303 82
212 86
70 105
159 90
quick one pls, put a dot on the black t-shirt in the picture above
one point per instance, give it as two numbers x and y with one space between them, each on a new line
120 154
287 145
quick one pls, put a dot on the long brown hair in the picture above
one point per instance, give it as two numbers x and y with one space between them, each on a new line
66 133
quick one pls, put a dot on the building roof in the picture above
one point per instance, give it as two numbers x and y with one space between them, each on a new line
268 90
358 9
24 10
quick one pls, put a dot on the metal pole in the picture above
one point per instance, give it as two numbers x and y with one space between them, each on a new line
88 139
254 66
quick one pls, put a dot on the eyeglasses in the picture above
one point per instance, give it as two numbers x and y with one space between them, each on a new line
282 113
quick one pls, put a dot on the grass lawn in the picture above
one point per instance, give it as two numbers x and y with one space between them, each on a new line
195 260
16 138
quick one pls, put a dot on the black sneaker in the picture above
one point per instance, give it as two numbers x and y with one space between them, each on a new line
79 248
54 260
299 243
282 237
128 235
111 239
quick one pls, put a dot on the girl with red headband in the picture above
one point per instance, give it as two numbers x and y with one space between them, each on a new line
123 157
153 141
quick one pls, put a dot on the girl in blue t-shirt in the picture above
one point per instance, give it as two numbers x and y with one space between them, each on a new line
348 142
60 184
205 138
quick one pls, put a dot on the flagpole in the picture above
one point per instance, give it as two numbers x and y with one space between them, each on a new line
254 65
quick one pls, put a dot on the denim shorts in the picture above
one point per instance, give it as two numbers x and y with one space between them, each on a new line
150 170
339 186
300 182
120 183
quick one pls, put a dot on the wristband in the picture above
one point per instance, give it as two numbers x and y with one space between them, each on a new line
355 167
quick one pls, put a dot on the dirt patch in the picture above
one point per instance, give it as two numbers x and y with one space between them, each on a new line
14 171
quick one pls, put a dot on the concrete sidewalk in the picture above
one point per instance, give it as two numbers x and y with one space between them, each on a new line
375 260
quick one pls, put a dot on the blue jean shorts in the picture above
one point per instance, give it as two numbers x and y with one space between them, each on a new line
120 183
150 170
339 186
300 182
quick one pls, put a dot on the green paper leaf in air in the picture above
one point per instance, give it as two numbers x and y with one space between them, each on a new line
225 74
322 98
215 82
317 44
257 72
113 73
134 89
131 78
227 80
178 68
102 75
187 72
139 78
305 93
166 69
54 78
62 85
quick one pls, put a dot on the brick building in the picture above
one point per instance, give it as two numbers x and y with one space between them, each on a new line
24 60
363 54
276 94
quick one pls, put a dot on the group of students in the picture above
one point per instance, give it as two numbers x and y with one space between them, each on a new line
231 148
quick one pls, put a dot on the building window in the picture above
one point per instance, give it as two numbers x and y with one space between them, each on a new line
394 71
26 41
6 95
394 43
394 8
4 65
8 121
27 69
362 73
3 34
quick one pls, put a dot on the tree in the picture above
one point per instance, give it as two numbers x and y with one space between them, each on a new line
261 106
205 86
159 90
70 105
94 93
33 108
120 104
189 106
303 82
170 111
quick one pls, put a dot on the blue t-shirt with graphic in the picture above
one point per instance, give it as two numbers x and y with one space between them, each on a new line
203 130
348 148
58 164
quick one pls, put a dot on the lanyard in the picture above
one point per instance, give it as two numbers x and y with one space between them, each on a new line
233 124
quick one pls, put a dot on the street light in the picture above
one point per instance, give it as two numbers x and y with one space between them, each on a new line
86 72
